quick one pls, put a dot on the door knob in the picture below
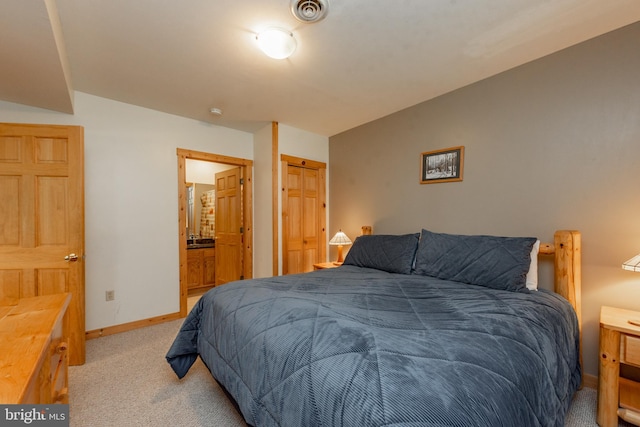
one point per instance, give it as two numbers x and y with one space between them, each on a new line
71 258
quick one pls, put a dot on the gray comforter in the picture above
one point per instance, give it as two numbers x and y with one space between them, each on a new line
360 347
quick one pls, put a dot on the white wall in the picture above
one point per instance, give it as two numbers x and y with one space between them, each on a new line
131 203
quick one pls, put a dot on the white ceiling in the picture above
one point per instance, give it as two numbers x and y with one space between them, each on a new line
365 60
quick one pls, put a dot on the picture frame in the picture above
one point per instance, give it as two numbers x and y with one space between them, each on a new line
444 165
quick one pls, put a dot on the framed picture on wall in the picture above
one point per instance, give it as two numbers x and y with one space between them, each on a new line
441 165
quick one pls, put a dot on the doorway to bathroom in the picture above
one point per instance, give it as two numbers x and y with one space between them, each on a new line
215 221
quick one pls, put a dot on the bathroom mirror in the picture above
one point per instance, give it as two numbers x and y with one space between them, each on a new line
200 180
200 211
190 214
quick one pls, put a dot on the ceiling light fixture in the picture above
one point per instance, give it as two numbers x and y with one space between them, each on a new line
276 43
216 111
309 11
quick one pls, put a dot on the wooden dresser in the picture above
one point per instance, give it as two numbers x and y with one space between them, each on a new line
33 350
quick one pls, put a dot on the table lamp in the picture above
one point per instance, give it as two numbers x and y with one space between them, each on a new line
339 240
633 264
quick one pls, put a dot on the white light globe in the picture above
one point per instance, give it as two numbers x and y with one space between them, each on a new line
276 43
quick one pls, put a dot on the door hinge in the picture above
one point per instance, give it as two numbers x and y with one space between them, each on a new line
241 181
241 230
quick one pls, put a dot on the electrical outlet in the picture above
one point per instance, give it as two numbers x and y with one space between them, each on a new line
110 295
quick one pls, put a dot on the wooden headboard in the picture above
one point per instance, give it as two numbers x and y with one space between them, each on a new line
567 272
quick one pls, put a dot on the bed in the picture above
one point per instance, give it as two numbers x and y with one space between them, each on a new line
424 329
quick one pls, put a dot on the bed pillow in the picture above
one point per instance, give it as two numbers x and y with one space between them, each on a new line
390 253
532 274
490 261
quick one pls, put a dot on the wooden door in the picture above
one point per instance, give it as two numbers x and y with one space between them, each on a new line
303 239
229 231
42 219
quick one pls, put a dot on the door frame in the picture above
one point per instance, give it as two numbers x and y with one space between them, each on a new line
247 209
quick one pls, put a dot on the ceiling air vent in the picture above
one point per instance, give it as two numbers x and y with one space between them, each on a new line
309 11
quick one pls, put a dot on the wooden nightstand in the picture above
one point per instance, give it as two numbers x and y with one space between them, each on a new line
619 344
323 265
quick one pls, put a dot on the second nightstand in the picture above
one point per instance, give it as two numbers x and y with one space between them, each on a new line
323 265
619 344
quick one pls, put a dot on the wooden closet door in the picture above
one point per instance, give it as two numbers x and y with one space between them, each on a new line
303 236
42 219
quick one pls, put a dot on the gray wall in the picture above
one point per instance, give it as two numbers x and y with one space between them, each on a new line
552 144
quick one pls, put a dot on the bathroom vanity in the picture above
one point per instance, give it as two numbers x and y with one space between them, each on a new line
201 262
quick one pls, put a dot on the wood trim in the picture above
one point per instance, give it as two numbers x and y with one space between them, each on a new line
125 327
590 381
247 195
322 213
77 308
182 232
247 206
299 161
215 158
274 199
284 213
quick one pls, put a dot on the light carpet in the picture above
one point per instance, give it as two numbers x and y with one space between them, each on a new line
126 381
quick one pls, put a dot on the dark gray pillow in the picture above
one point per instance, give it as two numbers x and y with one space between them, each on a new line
490 261
390 253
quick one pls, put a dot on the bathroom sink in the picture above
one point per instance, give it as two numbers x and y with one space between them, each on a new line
200 243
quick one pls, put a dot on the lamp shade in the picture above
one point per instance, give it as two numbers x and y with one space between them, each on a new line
276 43
632 264
340 239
